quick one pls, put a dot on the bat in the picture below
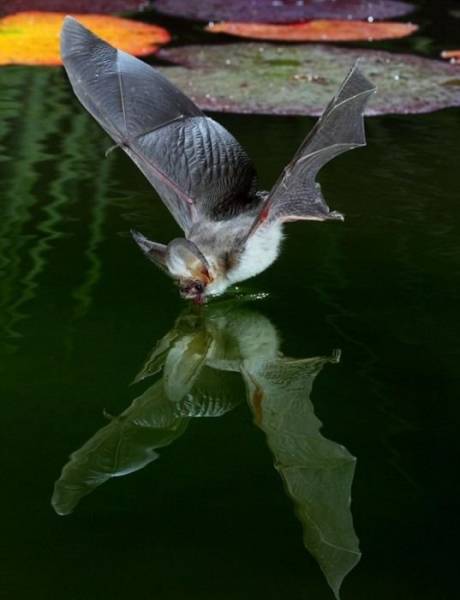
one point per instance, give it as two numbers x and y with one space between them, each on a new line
232 231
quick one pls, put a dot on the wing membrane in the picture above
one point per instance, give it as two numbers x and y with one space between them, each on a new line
196 166
296 195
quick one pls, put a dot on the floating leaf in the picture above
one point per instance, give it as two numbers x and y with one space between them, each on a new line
33 38
73 6
452 55
301 79
316 31
282 11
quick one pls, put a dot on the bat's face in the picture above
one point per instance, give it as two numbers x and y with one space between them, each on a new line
190 269
193 290
197 276
198 290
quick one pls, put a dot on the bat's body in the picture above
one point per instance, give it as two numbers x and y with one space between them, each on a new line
218 241
207 181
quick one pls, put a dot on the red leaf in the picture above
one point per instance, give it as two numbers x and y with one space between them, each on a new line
452 55
317 31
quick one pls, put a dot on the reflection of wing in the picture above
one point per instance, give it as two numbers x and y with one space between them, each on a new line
157 358
296 195
196 166
184 362
213 394
317 472
125 445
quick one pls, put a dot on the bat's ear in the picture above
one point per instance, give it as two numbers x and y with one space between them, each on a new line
185 261
153 251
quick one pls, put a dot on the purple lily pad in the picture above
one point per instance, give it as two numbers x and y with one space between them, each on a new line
74 6
300 79
282 11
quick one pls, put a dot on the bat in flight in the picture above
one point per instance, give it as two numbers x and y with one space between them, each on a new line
232 231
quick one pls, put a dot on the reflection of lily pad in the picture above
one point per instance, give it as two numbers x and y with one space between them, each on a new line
300 79
74 6
282 11
32 38
319 30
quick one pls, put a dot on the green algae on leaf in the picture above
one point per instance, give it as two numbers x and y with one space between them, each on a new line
300 79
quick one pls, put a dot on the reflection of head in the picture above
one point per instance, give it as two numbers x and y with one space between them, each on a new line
208 362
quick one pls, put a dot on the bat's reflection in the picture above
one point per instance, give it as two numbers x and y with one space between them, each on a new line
209 361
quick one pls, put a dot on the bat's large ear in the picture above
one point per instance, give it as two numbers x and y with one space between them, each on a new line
153 251
184 260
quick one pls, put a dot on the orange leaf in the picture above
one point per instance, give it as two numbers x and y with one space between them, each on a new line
32 38
452 55
317 31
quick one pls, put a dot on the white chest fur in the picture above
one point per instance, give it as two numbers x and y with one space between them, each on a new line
261 250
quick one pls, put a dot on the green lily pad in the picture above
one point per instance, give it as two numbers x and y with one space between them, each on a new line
301 79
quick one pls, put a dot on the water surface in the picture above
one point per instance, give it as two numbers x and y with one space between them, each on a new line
197 509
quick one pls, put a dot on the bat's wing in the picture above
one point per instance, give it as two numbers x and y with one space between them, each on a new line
296 195
195 165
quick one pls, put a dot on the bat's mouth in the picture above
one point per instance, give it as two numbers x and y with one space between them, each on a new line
193 291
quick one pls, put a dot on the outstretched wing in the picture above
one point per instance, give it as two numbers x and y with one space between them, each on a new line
195 165
296 195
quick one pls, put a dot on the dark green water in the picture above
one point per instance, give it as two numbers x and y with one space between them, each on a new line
81 311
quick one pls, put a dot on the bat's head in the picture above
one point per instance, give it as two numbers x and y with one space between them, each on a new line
182 260
190 269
